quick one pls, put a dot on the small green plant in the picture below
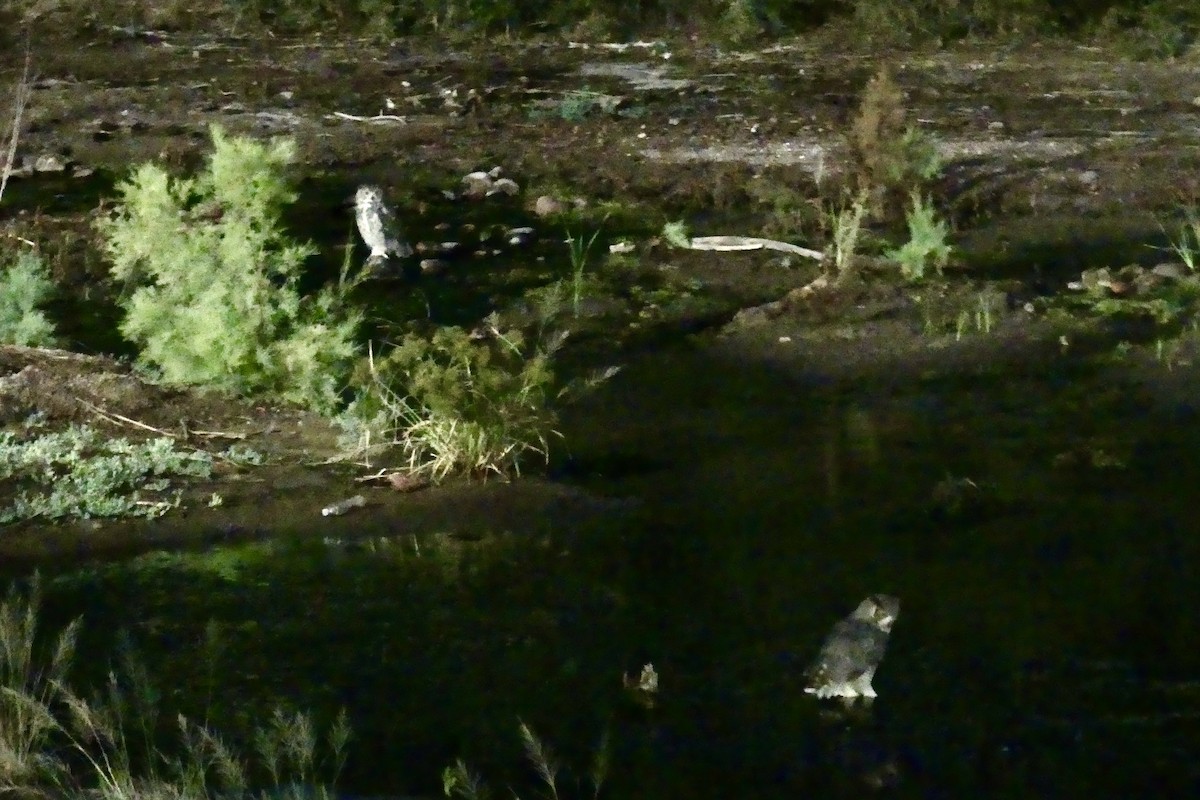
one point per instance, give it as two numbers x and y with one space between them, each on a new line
577 104
983 314
77 473
454 404
845 226
580 251
211 279
926 245
24 285
1187 245
676 234
740 22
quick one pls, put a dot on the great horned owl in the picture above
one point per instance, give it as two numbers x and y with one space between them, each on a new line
852 651
378 227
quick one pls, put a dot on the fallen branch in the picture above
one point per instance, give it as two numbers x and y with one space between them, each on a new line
726 244
378 118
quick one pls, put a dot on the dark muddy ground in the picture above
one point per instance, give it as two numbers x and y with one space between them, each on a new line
1021 481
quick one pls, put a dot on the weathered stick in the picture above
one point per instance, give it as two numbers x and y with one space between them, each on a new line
736 243
19 102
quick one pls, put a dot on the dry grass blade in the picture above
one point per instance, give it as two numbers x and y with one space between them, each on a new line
27 690
542 758
601 763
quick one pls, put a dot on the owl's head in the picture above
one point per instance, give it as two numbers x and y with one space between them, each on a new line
368 198
880 610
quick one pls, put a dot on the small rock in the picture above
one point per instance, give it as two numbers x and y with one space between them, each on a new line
448 248
997 125
1170 269
476 185
519 237
49 162
621 247
547 206
504 186
80 171
406 482
432 266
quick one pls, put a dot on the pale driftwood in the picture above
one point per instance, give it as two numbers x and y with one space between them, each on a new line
374 119
735 243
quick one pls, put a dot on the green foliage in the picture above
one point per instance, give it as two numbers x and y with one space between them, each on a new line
454 404
1187 244
676 234
1155 29
916 20
211 279
846 225
730 20
80 474
580 251
926 245
577 104
24 285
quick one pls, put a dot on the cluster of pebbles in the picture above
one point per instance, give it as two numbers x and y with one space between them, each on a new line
481 241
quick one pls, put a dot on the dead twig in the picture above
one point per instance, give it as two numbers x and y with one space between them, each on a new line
20 100
375 120
119 419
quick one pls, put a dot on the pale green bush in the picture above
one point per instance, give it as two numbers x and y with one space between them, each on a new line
24 285
211 279
926 246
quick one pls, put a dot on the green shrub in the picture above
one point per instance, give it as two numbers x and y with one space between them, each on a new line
211 296
926 245
1155 29
454 404
890 156
845 226
24 285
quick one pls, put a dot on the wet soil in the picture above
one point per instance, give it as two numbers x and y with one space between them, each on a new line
1021 481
